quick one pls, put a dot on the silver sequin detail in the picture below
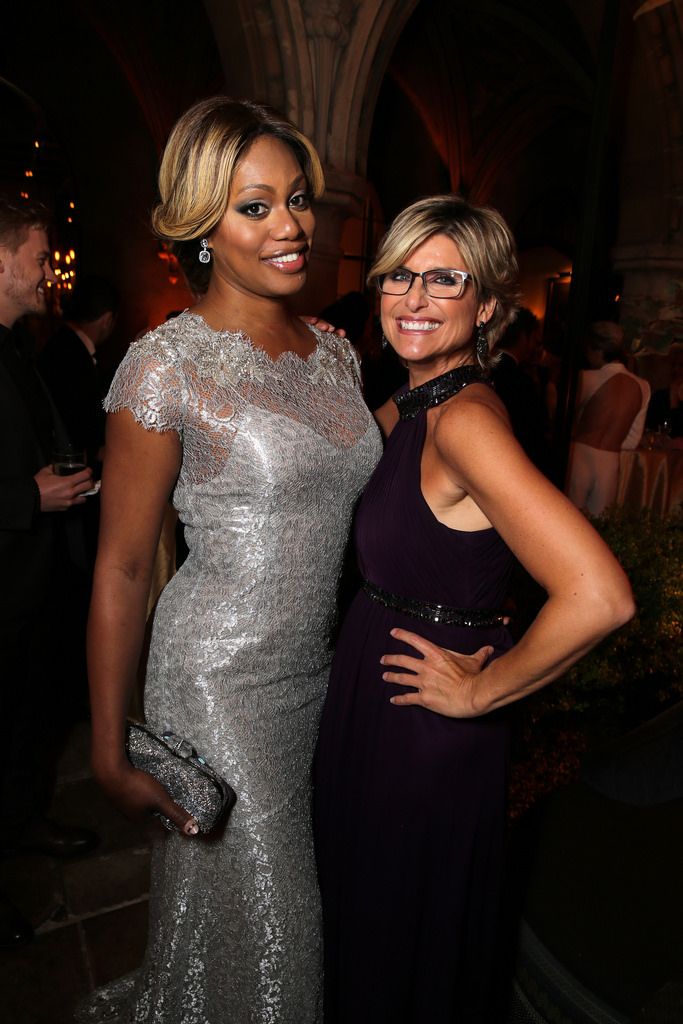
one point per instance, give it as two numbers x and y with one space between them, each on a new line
275 454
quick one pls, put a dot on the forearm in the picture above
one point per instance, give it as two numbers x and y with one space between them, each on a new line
562 633
115 636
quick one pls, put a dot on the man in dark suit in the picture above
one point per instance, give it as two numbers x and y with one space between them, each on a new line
36 549
68 363
517 390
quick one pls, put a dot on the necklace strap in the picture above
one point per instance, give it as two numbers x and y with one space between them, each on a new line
440 389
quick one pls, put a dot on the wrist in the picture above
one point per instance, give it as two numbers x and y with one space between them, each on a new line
480 694
109 765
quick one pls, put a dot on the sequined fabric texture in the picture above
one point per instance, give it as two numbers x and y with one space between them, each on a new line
440 389
190 780
429 611
275 454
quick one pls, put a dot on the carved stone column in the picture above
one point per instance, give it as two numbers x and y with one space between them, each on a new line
328 34
343 198
322 63
652 298
649 253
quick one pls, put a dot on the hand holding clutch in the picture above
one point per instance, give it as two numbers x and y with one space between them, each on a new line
185 774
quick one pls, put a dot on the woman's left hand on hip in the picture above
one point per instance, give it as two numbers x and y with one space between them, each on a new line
444 680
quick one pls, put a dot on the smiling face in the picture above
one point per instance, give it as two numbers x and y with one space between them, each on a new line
24 273
262 245
433 335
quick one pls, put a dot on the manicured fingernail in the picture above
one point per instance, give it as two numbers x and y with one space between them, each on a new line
191 828
393 632
381 660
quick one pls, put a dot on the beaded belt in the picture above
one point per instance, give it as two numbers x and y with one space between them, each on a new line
473 617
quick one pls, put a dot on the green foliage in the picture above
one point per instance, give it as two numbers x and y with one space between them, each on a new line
630 677
637 670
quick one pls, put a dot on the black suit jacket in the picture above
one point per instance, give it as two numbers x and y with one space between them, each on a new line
73 380
27 536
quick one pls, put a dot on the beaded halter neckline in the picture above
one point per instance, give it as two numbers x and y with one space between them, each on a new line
434 392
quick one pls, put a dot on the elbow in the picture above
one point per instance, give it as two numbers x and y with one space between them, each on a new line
627 609
617 606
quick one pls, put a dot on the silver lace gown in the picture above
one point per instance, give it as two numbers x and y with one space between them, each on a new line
275 454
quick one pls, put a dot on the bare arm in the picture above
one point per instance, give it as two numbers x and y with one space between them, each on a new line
588 593
139 473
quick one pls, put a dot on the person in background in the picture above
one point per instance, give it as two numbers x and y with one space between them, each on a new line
665 411
39 542
68 363
610 416
69 366
518 390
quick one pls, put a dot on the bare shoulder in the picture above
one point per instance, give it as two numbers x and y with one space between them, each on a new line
471 421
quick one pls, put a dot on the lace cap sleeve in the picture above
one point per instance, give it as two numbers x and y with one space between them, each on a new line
150 383
338 355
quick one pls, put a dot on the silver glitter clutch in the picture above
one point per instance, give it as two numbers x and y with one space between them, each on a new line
190 781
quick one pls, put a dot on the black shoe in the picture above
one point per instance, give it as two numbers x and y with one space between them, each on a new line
61 841
15 931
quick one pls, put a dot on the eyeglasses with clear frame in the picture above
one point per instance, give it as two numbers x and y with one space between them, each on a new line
438 284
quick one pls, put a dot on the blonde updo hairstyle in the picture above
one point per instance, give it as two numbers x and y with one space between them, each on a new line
201 156
485 243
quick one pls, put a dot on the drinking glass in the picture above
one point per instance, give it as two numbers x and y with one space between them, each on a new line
68 459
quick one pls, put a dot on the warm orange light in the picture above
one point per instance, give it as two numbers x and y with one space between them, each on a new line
28 174
24 195
57 256
36 144
72 254
617 298
69 220
72 206
67 258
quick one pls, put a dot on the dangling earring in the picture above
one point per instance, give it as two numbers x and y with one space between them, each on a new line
385 343
482 346
204 254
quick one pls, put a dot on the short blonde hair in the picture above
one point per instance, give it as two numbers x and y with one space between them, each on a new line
481 235
202 154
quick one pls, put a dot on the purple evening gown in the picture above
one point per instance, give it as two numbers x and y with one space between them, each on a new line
409 805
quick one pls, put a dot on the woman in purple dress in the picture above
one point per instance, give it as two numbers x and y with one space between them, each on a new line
411 761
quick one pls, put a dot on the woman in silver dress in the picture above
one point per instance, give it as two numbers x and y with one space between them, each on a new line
256 423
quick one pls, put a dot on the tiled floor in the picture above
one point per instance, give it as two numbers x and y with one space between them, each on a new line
90 915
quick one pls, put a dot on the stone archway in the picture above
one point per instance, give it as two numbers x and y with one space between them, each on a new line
321 62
